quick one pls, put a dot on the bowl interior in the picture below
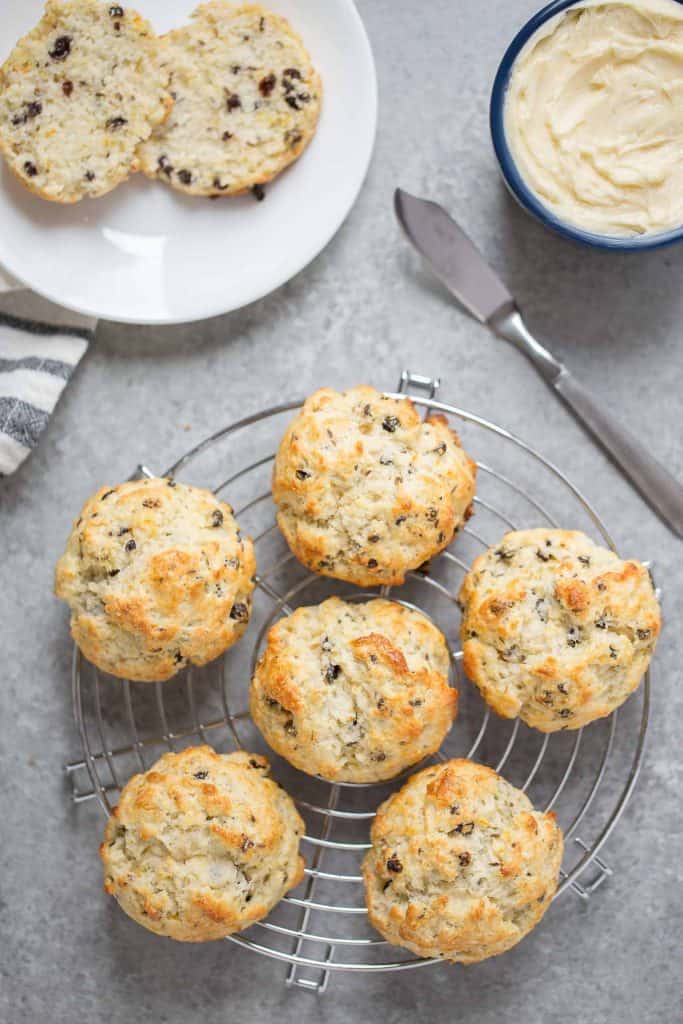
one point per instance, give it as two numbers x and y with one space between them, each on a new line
511 174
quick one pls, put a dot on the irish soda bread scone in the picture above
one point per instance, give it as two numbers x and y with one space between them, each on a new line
202 845
247 100
365 489
77 96
461 865
555 629
156 575
354 692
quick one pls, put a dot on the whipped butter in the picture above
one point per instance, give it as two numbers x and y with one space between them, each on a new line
594 115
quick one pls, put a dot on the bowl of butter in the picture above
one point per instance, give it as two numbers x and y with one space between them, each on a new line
587 120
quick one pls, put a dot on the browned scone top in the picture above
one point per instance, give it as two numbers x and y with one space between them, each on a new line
157 576
202 845
555 629
354 692
461 865
365 489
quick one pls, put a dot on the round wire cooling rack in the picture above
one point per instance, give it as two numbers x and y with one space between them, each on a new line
586 776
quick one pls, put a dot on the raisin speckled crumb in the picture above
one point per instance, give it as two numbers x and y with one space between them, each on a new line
77 95
236 123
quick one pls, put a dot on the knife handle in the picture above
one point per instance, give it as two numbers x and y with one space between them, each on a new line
657 486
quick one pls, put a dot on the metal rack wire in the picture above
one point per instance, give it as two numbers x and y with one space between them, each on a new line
586 776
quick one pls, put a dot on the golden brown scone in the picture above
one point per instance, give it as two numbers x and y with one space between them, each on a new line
365 489
354 692
247 101
202 845
461 865
555 629
156 575
77 95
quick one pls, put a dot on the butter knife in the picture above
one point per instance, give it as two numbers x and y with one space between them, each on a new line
459 265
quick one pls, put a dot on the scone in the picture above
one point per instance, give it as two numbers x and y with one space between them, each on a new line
202 845
247 101
555 629
354 692
77 96
365 489
461 865
157 576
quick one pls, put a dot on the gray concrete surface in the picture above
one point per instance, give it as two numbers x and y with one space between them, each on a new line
362 311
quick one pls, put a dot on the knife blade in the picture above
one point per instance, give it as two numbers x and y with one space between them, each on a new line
453 257
458 264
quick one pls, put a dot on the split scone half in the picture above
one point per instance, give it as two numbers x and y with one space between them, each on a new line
247 102
77 96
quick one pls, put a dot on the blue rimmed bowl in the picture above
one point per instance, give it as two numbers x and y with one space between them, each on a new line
511 174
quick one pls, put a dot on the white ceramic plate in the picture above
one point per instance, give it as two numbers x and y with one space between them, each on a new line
147 254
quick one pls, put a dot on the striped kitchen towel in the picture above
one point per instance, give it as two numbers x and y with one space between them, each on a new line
40 346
